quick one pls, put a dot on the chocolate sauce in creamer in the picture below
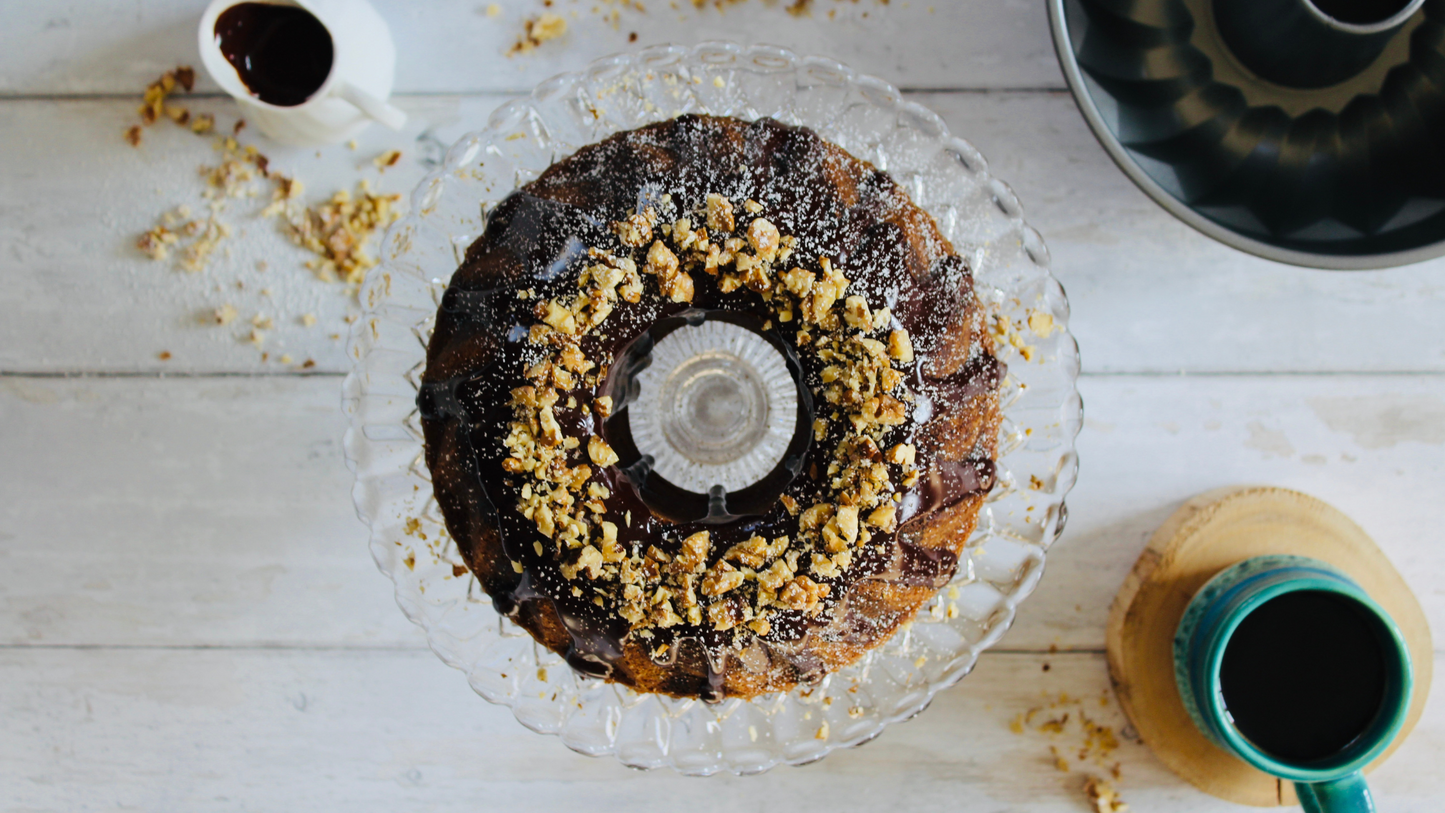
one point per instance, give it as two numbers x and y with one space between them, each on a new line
836 207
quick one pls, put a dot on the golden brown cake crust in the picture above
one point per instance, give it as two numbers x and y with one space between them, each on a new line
837 216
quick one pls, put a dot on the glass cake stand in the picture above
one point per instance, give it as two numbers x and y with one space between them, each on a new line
1004 558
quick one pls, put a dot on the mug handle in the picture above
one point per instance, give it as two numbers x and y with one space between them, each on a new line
1348 794
372 106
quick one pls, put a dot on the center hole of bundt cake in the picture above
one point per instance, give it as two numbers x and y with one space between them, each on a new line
715 406
711 421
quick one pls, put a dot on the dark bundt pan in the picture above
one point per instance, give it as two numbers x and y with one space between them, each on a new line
1348 175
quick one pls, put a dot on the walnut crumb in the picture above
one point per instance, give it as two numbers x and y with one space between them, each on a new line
386 159
1041 323
720 213
600 452
1103 797
224 315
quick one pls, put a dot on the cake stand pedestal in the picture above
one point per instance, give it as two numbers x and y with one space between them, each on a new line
1207 534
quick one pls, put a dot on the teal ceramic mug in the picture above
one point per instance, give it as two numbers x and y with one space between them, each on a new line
1287 663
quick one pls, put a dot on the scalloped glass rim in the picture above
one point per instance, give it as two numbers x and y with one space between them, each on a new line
1004 558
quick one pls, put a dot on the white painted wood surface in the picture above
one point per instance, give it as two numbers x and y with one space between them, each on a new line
454 46
188 616
1151 294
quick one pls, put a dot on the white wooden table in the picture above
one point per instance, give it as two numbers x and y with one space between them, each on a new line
189 619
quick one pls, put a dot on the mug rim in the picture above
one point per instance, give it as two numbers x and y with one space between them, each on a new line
225 73
1353 758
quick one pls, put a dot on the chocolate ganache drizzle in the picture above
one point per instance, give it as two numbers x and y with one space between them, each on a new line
535 244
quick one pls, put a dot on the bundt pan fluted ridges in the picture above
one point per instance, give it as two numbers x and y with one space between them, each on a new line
1346 177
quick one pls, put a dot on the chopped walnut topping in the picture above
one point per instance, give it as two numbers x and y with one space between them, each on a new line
764 238
825 291
900 346
846 519
757 578
695 548
590 561
757 551
721 578
884 518
902 454
726 614
720 214
679 288
634 232
661 261
856 313
557 316
815 517
775 576
600 452
802 593
799 282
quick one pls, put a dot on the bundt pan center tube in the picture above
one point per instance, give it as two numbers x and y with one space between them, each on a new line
1302 131
1310 43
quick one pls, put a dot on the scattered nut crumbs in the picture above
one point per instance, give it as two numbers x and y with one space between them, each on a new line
153 105
1102 796
1065 719
338 231
1005 331
1041 323
225 314
387 159
549 26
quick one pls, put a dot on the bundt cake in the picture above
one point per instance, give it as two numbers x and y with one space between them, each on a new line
711 407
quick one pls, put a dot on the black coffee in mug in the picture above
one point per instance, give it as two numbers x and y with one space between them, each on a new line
282 53
1304 675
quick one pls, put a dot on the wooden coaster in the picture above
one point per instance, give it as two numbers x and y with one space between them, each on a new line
1206 535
